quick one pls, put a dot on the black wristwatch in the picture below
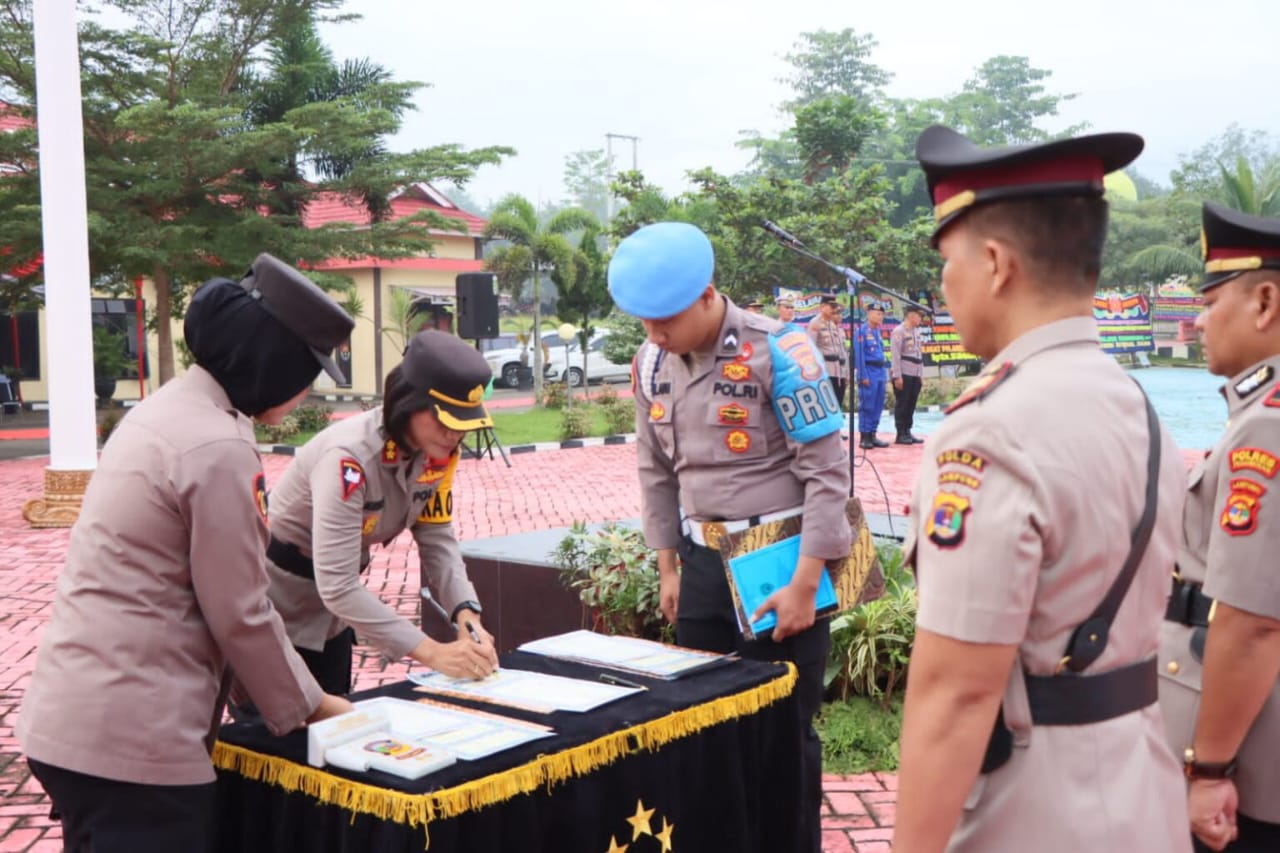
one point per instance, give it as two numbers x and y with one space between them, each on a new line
466 605
1206 769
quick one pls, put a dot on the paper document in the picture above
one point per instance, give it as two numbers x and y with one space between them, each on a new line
630 654
468 734
532 691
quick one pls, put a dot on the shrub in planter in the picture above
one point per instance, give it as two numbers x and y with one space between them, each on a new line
312 418
287 429
554 395
575 422
616 578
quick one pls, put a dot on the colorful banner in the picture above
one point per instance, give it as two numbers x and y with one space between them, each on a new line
1175 303
1124 322
940 343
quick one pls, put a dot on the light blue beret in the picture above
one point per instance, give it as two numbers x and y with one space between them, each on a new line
661 270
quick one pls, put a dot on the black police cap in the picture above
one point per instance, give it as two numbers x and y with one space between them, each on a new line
453 374
301 307
1233 243
962 175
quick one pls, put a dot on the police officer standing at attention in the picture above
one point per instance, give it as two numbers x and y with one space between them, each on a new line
829 336
164 592
736 423
363 481
787 312
868 361
907 369
1225 583
1045 519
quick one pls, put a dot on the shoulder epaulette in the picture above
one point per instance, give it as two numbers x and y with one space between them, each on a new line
981 387
1247 386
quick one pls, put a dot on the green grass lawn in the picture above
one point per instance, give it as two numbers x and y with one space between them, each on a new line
538 425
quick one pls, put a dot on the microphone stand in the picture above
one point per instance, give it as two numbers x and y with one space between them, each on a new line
853 280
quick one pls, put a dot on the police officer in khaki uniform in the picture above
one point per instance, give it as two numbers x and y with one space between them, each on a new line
906 368
164 587
1230 537
736 423
362 481
829 337
1021 730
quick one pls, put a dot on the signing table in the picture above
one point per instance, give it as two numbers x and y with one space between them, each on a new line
704 763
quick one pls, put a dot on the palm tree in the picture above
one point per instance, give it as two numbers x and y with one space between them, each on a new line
532 250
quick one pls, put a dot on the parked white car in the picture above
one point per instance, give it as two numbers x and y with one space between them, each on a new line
599 368
505 363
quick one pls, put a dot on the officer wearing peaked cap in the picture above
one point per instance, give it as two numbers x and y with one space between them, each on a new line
361 482
1023 730
164 591
1222 632
721 439
828 337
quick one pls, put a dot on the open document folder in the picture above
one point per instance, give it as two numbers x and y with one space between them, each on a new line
628 654
755 575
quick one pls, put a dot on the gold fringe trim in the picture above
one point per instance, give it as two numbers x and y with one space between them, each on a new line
544 771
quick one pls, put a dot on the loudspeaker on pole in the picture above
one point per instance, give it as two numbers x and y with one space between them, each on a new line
477 304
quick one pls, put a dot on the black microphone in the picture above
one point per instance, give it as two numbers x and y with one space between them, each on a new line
785 236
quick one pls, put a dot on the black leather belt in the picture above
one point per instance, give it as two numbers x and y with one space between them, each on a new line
911 360
1188 605
1079 700
874 363
291 559
833 358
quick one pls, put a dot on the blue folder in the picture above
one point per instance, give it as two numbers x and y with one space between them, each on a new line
756 574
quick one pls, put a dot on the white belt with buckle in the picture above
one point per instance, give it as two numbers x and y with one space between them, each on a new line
698 535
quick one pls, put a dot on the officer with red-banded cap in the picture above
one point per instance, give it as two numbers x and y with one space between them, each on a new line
1226 585
164 592
360 483
1044 518
736 423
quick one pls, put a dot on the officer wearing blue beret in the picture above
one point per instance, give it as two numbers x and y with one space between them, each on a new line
736 425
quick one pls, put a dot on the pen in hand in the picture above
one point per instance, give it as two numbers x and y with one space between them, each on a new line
471 629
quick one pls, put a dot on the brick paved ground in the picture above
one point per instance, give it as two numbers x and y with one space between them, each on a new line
541 490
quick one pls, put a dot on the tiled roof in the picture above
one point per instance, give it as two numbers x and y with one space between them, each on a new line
443 264
332 208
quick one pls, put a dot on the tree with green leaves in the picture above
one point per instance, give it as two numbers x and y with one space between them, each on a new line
583 289
826 63
1001 103
531 252
586 177
189 175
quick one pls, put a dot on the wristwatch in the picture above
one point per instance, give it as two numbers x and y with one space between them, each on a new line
466 605
1206 769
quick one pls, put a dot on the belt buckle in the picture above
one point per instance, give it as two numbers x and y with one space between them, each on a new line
712 533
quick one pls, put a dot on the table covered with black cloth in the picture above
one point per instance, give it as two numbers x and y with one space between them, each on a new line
708 762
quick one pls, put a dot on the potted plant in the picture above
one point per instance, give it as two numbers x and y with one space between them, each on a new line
110 360
616 578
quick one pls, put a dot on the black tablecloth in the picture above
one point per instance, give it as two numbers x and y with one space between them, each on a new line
708 762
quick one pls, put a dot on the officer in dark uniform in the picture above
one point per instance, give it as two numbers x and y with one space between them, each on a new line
736 424
869 369
1224 721
164 591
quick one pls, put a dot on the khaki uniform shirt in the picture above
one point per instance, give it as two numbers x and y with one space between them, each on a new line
348 489
832 345
1021 520
905 342
710 441
1230 538
162 589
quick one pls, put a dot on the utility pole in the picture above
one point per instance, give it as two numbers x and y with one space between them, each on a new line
609 174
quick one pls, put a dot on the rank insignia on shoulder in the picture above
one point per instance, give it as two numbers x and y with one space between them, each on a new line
1240 515
981 387
738 441
260 495
657 412
1273 399
945 527
390 452
730 341
732 415
352 477
1253 459
1254 381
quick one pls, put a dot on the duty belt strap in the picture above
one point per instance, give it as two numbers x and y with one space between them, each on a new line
912 360
1067 698
290 558
874 363
1188 605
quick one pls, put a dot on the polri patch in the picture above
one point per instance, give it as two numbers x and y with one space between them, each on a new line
981 387
736 371
738 441
1254 459
352 477
967 458
732 415
1254 381
656 412
1240 515
260 495
945 527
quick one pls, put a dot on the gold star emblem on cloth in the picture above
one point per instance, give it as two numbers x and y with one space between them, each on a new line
615 847
665 835
640 821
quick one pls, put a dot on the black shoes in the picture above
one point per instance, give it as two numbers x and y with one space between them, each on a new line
870 442
908 438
